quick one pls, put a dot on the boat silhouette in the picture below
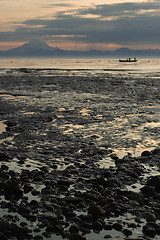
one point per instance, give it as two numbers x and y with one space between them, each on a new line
128 60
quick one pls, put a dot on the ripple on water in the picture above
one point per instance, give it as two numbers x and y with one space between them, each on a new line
155 109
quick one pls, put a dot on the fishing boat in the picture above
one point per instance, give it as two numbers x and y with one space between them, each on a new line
128 60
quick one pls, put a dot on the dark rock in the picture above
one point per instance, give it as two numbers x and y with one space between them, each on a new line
4 225
96 211
97 226
4 167
127 232
34 203
154 181
85 226
64 182
131 195
151 217
69 214
156 151
38 237
148 190
114 157
117 226
21 162
48 119
49 216
47 190
4 176
149 231
3 237
11 124
54 166
23 210
31 217
153 225
77 236
55 228
89 196
13 188
4 157
74 228
107 227
107 173
113 182
44 169
138 220
107 236
38 179
72 199
23 224
19 232
100 181
27 188
146 153
35 192
46 234
132 224
158 229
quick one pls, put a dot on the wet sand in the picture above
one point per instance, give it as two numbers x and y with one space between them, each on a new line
79 142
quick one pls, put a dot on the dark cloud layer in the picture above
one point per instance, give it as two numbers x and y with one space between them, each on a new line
123 23
122 9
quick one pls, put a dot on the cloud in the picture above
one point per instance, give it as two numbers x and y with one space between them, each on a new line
123 23
60 5
122 9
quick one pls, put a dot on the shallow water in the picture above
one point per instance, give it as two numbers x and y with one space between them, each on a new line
141 66
2 127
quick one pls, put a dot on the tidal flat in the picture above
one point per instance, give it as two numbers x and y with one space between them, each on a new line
79 154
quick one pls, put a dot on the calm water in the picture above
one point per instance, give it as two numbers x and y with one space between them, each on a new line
142 65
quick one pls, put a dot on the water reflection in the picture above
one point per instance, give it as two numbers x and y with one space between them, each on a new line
2 127
7 96
70 128
29 113
151 108
84 112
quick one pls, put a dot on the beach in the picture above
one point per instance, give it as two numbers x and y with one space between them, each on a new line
79 154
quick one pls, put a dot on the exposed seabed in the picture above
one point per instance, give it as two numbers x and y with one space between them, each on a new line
76 149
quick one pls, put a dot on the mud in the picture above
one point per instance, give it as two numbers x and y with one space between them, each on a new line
70 137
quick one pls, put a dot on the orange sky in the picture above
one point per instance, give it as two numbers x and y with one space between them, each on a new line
16 30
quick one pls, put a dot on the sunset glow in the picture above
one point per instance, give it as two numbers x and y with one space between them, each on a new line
83 25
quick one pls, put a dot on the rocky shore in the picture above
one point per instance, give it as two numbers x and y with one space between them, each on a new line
60 175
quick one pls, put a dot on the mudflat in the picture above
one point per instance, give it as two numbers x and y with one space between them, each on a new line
80 155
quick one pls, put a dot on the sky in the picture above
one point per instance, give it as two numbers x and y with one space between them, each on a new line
81 25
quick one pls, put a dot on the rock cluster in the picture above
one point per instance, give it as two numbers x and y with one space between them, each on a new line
78 200
61 129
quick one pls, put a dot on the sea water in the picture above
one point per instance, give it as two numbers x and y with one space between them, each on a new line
142 65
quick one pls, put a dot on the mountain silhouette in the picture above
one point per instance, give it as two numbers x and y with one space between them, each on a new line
37 48
32 48
35 45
